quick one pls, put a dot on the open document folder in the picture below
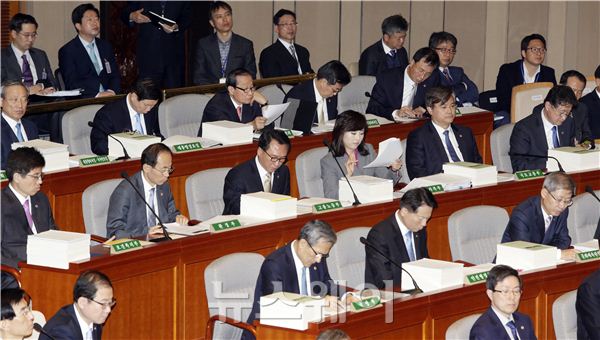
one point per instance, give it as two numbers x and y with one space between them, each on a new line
389 151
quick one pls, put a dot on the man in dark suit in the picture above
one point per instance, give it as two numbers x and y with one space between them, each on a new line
160 53
439 140
16 320
387 53
241 103
13 100
543 219
265 172
583 135
587 306
502 321
402 237
284 57
331 79
592 101
22 62
223 51
93 301
136 112
400 92
549 126
128 216
25 210
465 91
525 71
87 62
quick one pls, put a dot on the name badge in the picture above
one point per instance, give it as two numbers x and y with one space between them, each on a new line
107 66
221 80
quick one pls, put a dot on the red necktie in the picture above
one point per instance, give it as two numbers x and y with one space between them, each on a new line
239 112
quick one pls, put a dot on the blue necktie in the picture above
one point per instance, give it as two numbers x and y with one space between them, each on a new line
19 132
138 124
555 137
451 151
149 216
409 246
513 329
303 288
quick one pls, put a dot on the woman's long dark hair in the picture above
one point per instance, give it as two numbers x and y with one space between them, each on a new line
348 121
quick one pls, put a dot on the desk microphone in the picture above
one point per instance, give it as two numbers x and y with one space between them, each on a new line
560 168
414 291
125 154
164 229
590 191
326 142
40 330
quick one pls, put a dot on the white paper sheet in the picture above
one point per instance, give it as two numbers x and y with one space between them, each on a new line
70 93
175 228
389 151
274 111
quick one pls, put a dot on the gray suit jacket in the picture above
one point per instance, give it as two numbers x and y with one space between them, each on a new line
12 71
331 174
127 211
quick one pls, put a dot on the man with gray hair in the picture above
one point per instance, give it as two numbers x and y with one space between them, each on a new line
13 100
543 219
389 51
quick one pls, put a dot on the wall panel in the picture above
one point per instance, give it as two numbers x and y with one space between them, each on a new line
426 17
373 13
321 35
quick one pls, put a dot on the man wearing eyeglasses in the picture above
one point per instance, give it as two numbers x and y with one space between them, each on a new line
128 216
25 210
266 172
549 127
284 57
543 219
501 320
17 319
465 91
528 69
93 301
580 113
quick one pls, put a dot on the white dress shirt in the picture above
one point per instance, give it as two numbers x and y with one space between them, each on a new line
263 173
147 187
504 320
404 230
526 78
320 99
548 132
133 113
287 47
453 140
299 268
85 327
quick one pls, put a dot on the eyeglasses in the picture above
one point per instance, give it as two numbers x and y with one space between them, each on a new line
165 171
248 90
446 50
38 177
335 89
274 159
507 292
567 203
537 50
110 304
29 35
288 24
323 256
562 113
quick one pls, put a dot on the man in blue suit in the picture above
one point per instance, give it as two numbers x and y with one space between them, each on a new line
592 101
543 219
87 62
93 301
13 100
549 126
465 91
265 172
502 321
387 53
439 140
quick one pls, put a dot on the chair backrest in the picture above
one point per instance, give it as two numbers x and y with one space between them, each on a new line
583 217
353 96
94 202
461 328
403 170
500 145
564 316
589 85
308 172
204 193
488 100
346 260
59 79
525 97
275 94
474 232
75 130
181 115
230 282
353 69
38 317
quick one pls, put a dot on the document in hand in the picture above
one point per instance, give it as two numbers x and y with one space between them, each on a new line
273 111
156 19
389 151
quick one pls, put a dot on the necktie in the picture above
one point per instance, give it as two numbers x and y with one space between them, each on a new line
547 222
239 112
150 217
92 52
138 124
89 335
447 75
267 182
293 52
451 151
28 214
321 112
555 137
27 75
392 60
19 132
513 329
303 288
409 246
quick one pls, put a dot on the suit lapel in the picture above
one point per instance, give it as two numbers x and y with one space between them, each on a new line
462 146
399 238
539 222
12 61
540 134
290 267
20 214
6 129
40 68
286 54
232 52
213 53
255 178
437 141
124 119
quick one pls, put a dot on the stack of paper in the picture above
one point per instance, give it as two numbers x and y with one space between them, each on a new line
587 246
56 155
525 255
55 248
227 132
368 189
479 174
267 205
447 181
574 158
290 310
134 143
432 274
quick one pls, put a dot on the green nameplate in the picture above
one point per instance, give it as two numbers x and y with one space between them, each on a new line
126 246
435 188
324 207
477 277
372 122
366 303
83 162
457 112
3 176
589 255
220 226
187 147
288 133
529 174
